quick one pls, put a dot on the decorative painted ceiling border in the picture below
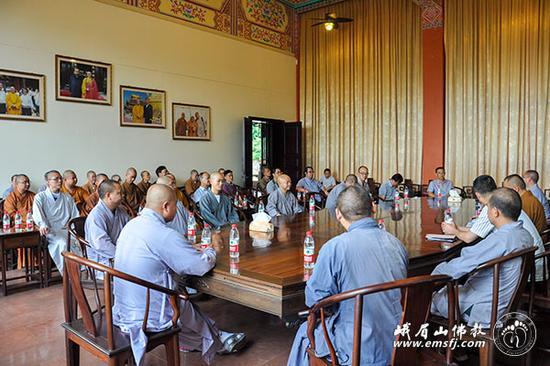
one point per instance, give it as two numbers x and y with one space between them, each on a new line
432 10
263 22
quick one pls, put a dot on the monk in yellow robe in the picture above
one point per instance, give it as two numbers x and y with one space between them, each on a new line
20 199
13 102
89 186
145 183
130 193
78 194
137 112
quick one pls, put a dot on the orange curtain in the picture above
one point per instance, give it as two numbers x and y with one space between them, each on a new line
361 89
497 88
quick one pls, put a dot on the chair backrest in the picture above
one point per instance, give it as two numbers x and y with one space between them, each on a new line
416 300
74 297
468 191
527 269
424 190
76 229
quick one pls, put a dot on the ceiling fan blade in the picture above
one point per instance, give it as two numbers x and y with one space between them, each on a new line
343 20
316 24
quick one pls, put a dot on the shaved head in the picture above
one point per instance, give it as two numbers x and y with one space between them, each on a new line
515 182
131 170
351 180
216 175
68 173
166 180
159 196
90 172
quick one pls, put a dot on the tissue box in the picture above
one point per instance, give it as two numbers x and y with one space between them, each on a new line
261 226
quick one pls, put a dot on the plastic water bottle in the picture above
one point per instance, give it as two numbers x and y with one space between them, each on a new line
234 266
18 221
245 203
448 216
234 242
381 224
191 228
396 196
6 223
439 195
236 201
311 203
29 222
309 251
406 204
261 207
406 192
206 237
311 219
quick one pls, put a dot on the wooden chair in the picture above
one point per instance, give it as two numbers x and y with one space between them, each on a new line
416 190
487 353
460 191
94 330
416 300
424 190
468 192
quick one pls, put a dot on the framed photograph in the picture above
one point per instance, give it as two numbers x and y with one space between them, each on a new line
191 122
141 107
85 81
22 96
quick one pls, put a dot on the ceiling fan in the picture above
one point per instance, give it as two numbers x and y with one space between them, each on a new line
331 21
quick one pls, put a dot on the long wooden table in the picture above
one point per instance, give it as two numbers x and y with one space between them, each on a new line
269 275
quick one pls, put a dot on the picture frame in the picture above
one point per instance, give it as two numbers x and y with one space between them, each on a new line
83 81
191 122
142 107
22 96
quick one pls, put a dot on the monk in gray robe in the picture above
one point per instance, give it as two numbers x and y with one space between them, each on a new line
104 223
282 201
475 296
216 208
147 248
350 180
52 210
364 255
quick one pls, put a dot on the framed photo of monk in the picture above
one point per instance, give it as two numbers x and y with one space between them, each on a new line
141 107
191 122
85 81
22 96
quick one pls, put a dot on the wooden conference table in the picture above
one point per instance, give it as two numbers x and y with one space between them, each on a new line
269 275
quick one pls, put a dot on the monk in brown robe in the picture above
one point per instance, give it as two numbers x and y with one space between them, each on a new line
193 183
21 199
93 199
144 185
78 194
179 194
130 192
90 186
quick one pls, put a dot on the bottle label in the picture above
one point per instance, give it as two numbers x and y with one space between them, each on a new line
191 232
233 245
309 258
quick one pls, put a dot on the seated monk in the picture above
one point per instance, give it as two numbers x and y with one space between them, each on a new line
179 223
144 185
90 186
282 201
216 208
93 199
179 194
130 192
193 183
78 194
52 210
21 199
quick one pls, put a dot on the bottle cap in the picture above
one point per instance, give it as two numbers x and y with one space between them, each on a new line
309 233
234 226
206 225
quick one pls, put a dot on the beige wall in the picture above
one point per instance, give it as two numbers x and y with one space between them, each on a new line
194 66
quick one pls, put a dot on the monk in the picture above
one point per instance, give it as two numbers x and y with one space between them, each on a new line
193 183
78 194
93 198
192 127
137 111
181 126
144 185
13 102
89 87
52 210
21 199
130 192
179 194
89 186
179 223
216 208
116 178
